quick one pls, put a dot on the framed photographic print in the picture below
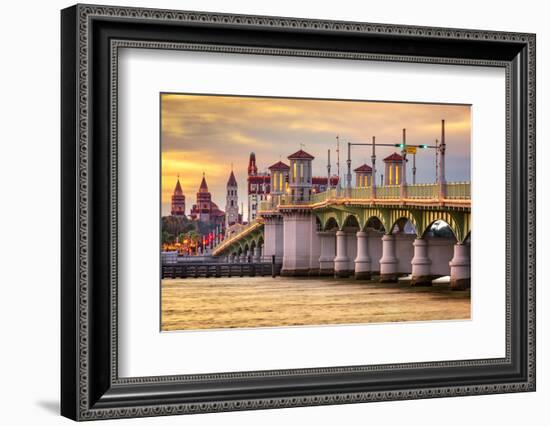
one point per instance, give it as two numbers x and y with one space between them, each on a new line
263 212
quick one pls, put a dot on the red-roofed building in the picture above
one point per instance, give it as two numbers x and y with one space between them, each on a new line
320 183
259 187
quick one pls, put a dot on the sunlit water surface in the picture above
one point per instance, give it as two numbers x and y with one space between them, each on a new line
214 303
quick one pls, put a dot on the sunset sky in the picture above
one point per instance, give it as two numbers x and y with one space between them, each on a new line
209 133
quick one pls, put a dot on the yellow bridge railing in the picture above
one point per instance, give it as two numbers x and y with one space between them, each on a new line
424 191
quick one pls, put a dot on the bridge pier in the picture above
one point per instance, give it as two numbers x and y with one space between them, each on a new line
328 252
421 264
257 254
460 267
388 262
297 227
341 261
404 250
362 261
273 238
351 250
314 249
375 250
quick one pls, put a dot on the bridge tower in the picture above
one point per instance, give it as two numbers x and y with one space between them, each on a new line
299 224
363 176
393 172
300 175
279 180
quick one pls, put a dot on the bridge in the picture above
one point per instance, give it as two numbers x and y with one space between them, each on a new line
387 231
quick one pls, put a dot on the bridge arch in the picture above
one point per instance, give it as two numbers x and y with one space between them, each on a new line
351 221
378 218
400 217
430 228
374 222
331 223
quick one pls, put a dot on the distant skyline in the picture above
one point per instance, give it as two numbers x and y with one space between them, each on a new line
203 133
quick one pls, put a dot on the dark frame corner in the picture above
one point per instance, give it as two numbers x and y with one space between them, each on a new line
90 386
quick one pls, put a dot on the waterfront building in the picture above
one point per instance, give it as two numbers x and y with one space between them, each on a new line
178 201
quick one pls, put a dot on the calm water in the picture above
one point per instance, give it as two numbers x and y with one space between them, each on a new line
203 303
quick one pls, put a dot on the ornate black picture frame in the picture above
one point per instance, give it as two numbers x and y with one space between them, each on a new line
91 36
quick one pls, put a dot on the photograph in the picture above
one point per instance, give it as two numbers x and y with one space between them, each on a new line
272 207
280 212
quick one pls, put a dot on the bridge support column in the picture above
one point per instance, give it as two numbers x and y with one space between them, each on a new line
297 238
257 254
388 262
460 267
421 264
362 261
341 261
328 252
243 257
273 238
314 249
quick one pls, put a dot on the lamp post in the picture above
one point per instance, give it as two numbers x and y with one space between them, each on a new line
407 148
442 147
328 174
403 186
348 177
436 161
373 159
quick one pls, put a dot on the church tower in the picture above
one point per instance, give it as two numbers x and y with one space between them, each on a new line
178 201
231 201
252 168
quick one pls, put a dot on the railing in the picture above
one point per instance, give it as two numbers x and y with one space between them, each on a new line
389 191
361 193
267 205
423 191
197 270
458 190
243 231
